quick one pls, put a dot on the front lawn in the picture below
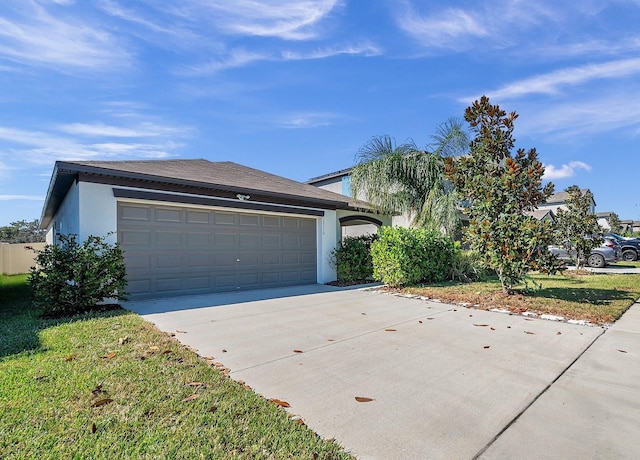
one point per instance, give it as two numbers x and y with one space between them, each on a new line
598 298
110 385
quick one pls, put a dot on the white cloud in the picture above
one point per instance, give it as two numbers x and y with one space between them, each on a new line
553 82
322 53
21 198
104 130
308 119
33 36
461 29
564 171
285 19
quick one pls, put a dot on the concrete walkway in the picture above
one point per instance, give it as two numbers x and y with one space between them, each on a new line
445 381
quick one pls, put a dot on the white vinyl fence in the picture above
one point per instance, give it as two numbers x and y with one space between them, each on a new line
18 258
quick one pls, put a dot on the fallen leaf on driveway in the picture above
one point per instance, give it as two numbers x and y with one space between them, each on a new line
390 330
420 321
529 332
363 399
102 402
487 346
493 328
298 351
481 325
559 333
331 340
180 332
622 351
191 398
280 403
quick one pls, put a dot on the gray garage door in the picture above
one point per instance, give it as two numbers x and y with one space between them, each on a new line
174 250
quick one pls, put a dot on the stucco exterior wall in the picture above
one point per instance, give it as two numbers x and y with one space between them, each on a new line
67 219
91 209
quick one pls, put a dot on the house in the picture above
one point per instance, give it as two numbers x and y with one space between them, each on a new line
559 200
195 226
340 182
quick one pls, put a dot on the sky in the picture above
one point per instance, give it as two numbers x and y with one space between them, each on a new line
297 87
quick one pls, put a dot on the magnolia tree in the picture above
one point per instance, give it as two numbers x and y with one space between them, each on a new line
577 228
614 223
499 189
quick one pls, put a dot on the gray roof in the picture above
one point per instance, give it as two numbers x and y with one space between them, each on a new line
342 172
561 197
203 176
540 213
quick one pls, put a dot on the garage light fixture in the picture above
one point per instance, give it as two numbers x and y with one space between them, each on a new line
242 197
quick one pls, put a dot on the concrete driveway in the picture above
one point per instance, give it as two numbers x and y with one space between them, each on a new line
445 381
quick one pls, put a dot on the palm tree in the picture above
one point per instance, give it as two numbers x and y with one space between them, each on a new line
403 178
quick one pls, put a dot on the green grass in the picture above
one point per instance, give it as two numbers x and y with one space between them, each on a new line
598 298
53 372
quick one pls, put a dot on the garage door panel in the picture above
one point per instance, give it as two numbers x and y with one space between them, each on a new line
134 213
135 238
171 239
173 215
198 217
224 218
175 250
225 240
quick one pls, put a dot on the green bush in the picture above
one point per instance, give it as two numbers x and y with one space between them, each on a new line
72 278
404 256
467 266
352 258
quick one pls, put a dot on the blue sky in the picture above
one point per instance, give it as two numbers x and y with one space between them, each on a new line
296 87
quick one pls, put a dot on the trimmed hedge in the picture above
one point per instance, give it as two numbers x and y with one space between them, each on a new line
352 258
403 256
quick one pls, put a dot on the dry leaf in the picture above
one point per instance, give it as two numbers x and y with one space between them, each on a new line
508 327
420 321
93 428
622 351
191 398
486 346
102 402
154 348
298 351
300 421
390 330
331 340
493 328
280 403
195 384
166 352
529 332
180 332
71 357
97 389
559 333
363 313
213 409
224 351
363 399
429 318
109 356
481 325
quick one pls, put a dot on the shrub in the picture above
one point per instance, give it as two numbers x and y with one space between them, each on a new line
72 278
467 266
408 256
352 258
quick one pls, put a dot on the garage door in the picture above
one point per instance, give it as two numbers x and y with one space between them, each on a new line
175 250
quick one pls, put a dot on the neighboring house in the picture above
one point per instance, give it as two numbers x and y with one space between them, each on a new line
195 226
340 182
603 219
559 200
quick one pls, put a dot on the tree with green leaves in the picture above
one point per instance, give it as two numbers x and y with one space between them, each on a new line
614 223
499 190
577 228
406 179
22 232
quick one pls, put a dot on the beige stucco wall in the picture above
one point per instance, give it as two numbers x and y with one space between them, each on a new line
18 258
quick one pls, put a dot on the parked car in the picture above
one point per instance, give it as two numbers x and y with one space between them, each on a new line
608 253
629 247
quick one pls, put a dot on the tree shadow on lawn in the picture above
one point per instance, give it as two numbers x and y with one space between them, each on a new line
591 296
21 322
